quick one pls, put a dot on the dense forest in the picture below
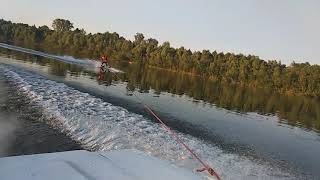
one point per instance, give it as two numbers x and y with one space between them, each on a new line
245 70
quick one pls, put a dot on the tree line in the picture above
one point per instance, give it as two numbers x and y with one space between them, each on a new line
296 111
245 70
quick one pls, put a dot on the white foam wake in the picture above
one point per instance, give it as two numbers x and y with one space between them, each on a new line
90 65
101 126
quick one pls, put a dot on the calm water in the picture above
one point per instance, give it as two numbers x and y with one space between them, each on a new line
253 123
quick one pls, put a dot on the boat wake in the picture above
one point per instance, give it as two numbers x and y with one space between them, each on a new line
90 65
101 126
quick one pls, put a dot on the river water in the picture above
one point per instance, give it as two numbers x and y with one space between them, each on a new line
243 133
23 129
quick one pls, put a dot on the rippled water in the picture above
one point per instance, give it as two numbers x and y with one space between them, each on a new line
260 136
22 127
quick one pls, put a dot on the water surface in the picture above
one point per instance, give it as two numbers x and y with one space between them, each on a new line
22 127
255 126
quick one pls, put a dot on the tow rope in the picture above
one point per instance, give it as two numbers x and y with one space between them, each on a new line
174 135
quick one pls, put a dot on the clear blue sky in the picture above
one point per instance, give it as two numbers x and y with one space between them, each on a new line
285 30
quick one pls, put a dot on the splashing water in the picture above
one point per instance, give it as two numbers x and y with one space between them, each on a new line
88 64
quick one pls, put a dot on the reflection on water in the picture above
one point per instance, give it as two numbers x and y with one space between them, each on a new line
296 111
218 114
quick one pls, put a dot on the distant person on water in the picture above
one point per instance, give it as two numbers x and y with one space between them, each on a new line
104 63
104 59
104 67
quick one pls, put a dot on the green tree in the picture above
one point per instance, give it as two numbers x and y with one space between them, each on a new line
62 25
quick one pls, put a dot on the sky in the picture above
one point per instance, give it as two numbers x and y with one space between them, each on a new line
286 30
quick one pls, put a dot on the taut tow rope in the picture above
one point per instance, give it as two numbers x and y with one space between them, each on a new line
174 135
